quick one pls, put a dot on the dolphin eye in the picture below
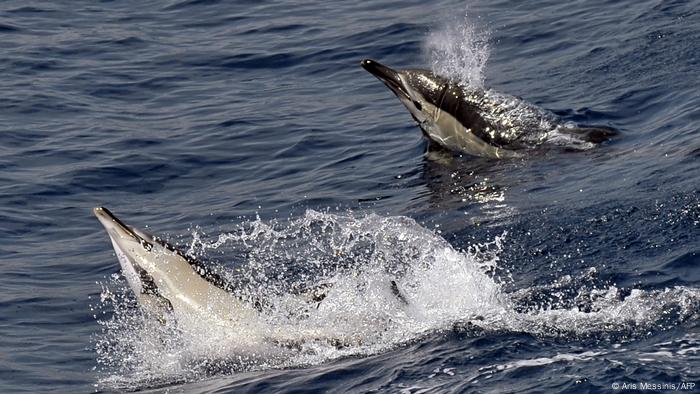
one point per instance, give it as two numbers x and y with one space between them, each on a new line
417 105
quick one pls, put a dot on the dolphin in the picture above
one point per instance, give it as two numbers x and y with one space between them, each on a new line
476 121
173 287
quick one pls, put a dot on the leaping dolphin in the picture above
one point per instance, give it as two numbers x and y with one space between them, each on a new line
477 121
169 285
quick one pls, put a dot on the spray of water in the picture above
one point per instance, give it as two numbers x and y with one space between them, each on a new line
459 50
355 259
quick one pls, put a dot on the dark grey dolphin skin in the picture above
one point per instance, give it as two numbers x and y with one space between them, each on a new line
477 121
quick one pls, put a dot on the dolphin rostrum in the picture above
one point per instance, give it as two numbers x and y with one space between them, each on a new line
477 121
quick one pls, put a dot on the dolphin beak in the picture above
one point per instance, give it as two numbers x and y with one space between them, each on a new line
117 230
389 76
114 226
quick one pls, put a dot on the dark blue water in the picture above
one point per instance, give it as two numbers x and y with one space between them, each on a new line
560 271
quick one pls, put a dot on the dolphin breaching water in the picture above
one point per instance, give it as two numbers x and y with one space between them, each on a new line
172 287
480 122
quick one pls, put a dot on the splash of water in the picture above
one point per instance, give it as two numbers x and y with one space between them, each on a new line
459 50
356 258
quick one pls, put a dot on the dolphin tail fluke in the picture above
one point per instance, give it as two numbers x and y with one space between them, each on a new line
593 134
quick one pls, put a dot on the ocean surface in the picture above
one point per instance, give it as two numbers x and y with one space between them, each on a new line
247 133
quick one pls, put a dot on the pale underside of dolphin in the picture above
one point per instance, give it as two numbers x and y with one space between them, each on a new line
476 121
172 287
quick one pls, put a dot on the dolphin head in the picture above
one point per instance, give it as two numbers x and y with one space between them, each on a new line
418 90
132 247
138 253
169 283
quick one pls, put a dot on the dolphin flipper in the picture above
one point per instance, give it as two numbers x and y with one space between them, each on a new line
397 293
